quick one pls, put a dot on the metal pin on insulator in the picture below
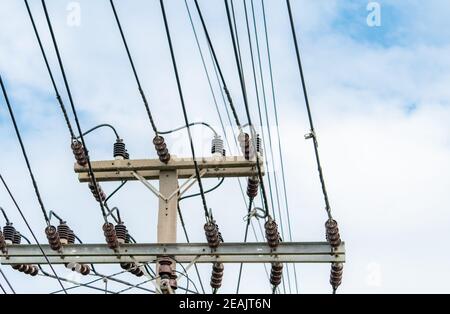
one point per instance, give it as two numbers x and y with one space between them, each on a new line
121 233
252 187
98 193
332 233
110 236
120 151
53 238
272 235
63 231
17 238
217 146
2 242
276 274
217 275
161 149
8 233
79 153
212 234
337 270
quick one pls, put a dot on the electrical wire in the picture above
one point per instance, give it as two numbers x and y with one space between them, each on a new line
72 104
308 109
274 100
250 204
3 289
4 215
58 96
141 91
104 125
7 281
190 124
180 91
31 231
206 192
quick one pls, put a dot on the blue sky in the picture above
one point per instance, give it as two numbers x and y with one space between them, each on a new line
380 100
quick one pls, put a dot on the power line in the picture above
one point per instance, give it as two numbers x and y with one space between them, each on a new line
58 96
180 92
66 83
7 281
31 230
130 58
269 59
308 108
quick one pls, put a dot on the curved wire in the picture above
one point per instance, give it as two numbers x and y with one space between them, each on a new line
103 125
190 124
206 192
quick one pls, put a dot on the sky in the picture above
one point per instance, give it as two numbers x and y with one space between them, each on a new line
380 102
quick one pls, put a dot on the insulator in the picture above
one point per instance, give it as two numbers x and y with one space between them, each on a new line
217 275
8 233
332 233
165 267
259 145
252 187
212 234
276 273
34 271
245 143
53 238
98 193
63 231
110 236
217 146
136 270
2 242
272 235
79 153
337 270
71 237
173 281
17 238
85 270
120 151
161 149
121 233
125 266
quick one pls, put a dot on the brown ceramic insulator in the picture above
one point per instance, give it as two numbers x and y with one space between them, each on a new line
71 237
332 233
98 193
64 232
34 271
125 266
24 268
272 235
110 236
212 234
165 267
16 266
276 274
85 270
337 270
17 238
136 270
161 149
173 281
217 275
121 233
53 238
252 187
245 143
2 242
79 153
8 232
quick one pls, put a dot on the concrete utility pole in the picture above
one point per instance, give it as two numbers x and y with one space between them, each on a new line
169 191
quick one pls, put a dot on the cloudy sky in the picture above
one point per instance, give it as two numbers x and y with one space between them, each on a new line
380 98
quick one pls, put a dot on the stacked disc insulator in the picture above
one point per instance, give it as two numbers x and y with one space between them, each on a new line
332 233
8 233
110 236
79 153
337 270
217 146
120 151
252 187
53 238
272 235
161 149
27 269
121 233
276 274
212 234
217 275
98 193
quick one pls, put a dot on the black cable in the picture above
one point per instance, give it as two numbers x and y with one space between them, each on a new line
141 91
103 125
3 289
190 124
66 83
283 176
216 61
4 215
7 281
31 231
25 155
250 204
180 91
206 192
308 108
247 110
58 96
